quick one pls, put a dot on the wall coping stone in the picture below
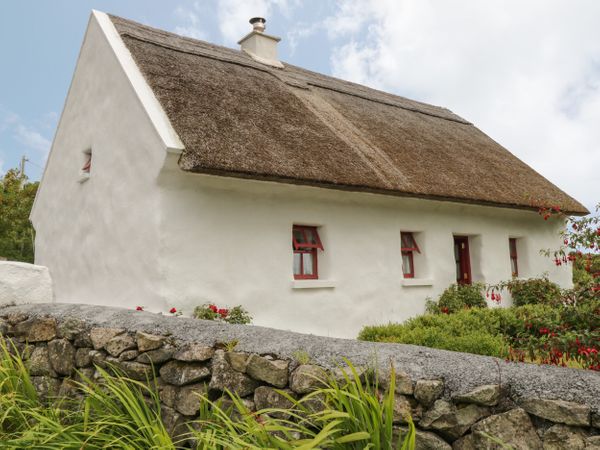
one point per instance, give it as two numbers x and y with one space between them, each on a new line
461 372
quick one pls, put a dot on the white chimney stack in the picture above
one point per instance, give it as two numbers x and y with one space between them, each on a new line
260 46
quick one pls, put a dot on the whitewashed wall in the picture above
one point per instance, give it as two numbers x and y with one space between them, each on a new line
229 241
100 238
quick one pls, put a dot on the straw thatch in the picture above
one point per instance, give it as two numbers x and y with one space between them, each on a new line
239 118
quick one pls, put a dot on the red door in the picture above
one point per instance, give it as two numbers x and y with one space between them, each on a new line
461 257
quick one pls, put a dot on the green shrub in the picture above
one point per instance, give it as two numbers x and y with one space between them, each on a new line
472 330
458 297
533 291
560 334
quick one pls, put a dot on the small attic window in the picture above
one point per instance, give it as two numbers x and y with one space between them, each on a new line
86 167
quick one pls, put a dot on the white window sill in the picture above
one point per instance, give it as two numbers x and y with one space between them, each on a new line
313 284
83 177
417 282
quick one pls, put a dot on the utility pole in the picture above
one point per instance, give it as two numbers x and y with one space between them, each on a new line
22 166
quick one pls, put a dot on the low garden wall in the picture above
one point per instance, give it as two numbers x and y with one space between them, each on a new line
456 400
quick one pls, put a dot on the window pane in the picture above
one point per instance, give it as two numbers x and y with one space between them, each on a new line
407 268
406 239
298 235
513 247
310 236
307 259
297 270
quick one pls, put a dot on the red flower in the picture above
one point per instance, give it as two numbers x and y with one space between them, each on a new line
566 242
173 310
213 308
223 312
139 308
445 310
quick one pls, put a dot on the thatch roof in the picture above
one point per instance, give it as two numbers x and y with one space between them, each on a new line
237 117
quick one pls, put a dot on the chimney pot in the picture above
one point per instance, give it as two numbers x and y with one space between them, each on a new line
258 24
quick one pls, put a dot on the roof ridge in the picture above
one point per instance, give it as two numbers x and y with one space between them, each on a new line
273 71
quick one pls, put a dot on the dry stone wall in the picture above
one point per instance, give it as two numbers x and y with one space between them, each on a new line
457 400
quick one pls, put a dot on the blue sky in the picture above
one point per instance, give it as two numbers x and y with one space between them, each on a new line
527 74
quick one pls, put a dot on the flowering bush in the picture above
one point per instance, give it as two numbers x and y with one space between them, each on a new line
237 314
456 298
568 332
581 244
528 292
559 335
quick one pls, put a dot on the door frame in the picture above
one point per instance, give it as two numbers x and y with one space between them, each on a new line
464 259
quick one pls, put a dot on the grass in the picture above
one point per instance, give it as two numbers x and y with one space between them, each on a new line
115 412
354 416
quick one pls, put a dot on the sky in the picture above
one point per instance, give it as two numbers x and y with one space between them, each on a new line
527 73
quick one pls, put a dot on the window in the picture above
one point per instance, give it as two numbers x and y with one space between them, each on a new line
514 266
409 246
462 259
87 166
306 243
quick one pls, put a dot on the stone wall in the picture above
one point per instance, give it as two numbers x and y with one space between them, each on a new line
455 399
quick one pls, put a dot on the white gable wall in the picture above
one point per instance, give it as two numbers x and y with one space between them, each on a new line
100 238
228 241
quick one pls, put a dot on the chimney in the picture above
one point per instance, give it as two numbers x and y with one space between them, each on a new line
260 46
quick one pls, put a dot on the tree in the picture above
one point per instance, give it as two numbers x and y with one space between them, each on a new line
16 232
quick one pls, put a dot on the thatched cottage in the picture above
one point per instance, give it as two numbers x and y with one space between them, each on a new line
183 172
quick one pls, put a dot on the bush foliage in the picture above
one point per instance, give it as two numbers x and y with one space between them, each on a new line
458 297
566 333
533 291
469 330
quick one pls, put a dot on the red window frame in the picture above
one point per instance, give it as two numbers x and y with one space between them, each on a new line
305 245
88 164
408 246
514 263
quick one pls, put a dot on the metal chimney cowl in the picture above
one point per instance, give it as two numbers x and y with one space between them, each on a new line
260 46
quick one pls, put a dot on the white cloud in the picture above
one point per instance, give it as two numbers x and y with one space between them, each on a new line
301 31
28 136
526 73
192 25
32 139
